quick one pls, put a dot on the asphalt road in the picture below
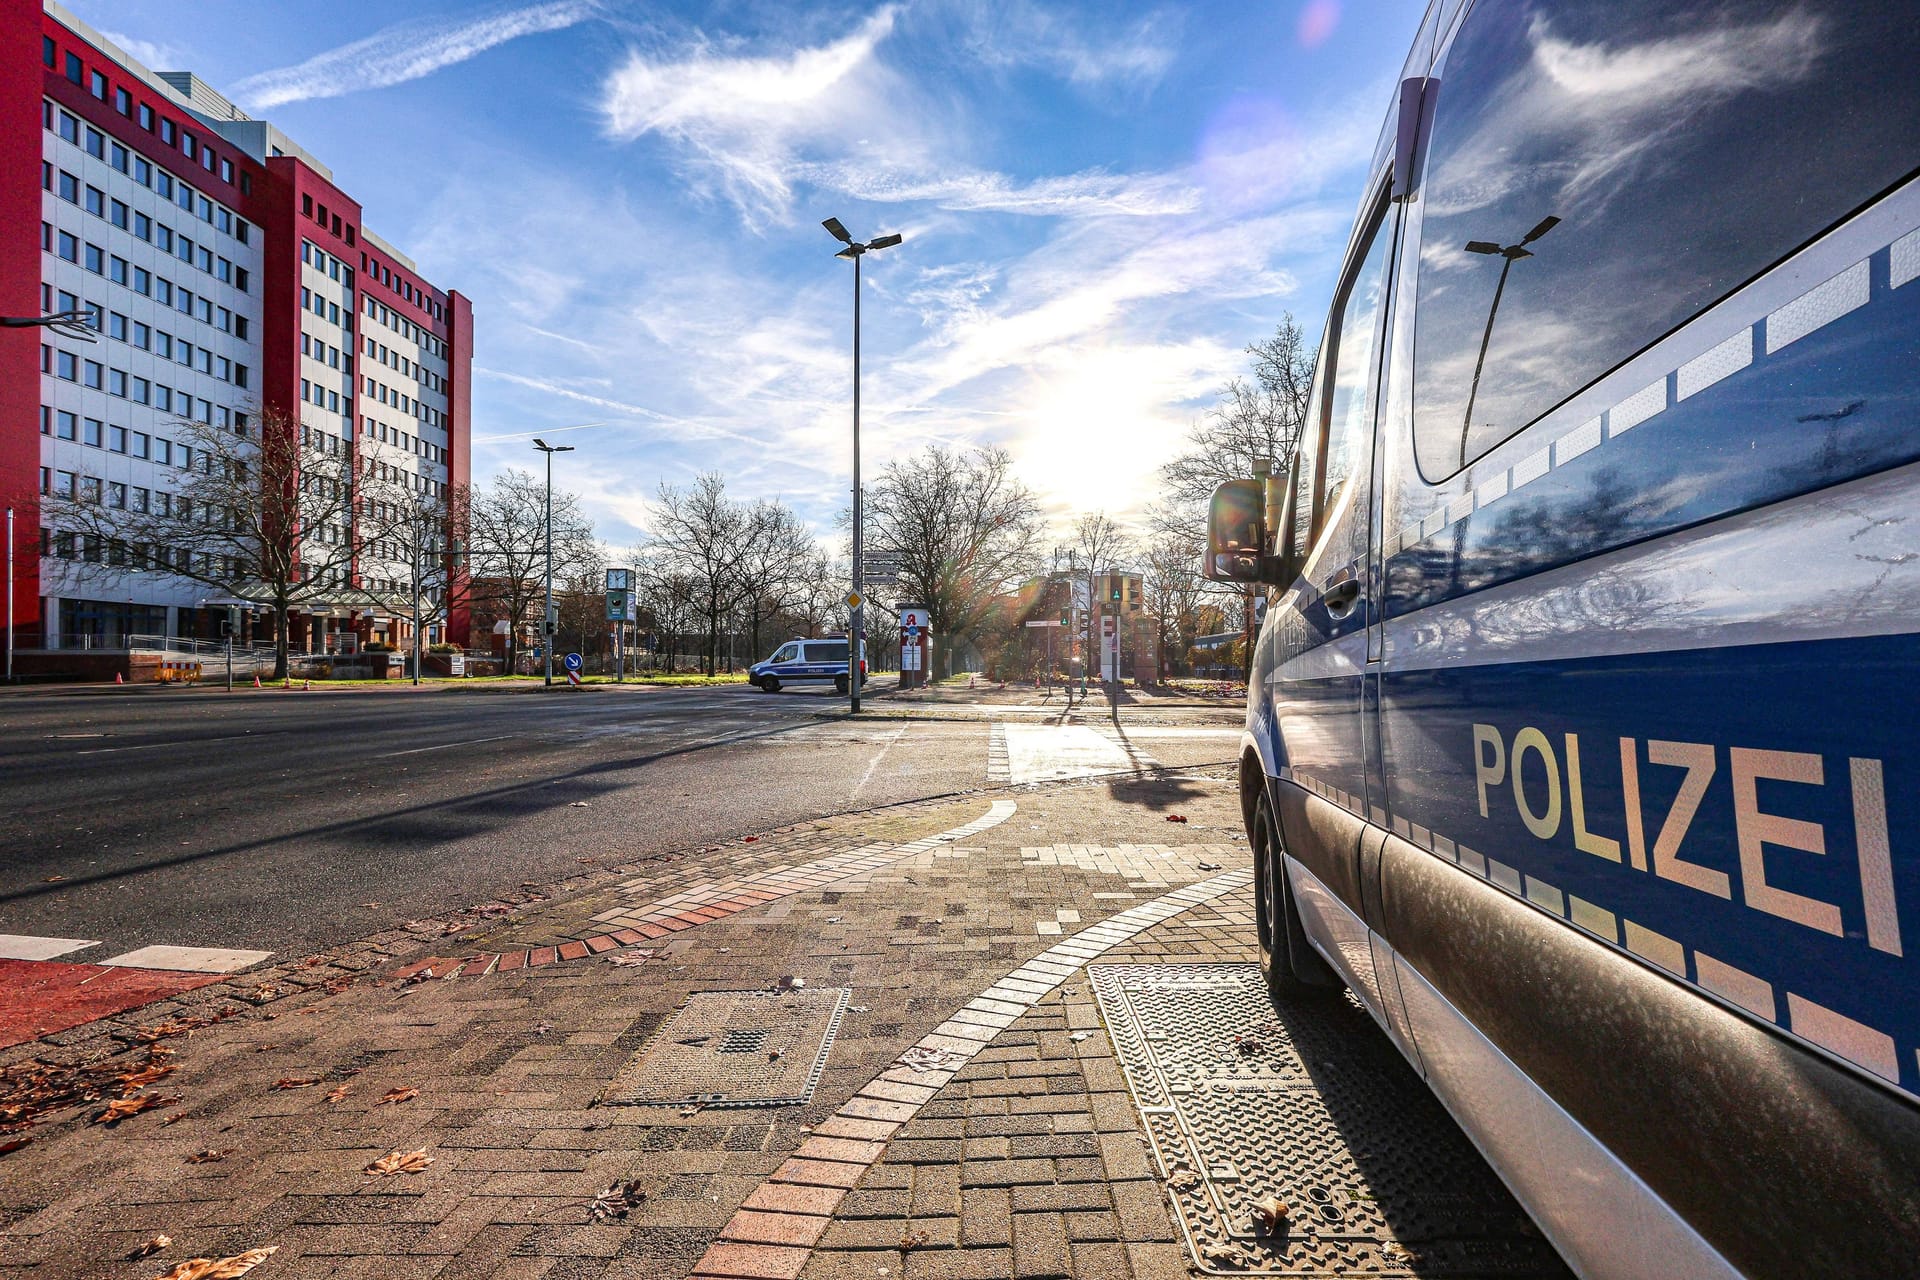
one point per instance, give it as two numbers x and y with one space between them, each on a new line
292 822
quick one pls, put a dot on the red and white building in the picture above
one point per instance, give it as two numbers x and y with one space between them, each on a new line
229 274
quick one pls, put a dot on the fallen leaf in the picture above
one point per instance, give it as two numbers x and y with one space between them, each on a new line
265 991
337 1095
210 1156
617 1201
175 1118
1270 1214
629 958
401 1094
401 1162
118 1111
296 1082
55 879
414 979
542 1028
750 840
132 1080
13 1144
373 906
220 1268
1175 817
579 804
147 1248
913 1240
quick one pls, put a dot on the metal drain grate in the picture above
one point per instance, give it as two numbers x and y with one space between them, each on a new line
1242 1099
735 1049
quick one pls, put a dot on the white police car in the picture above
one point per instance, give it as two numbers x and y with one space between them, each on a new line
804 661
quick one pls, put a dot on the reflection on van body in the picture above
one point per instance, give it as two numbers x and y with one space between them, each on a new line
1582 707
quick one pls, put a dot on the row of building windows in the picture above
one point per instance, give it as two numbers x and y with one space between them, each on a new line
329 311
94 82
320 260
327 221
62 425
94 549
320 398
147 174
374 429
406 328
140 226
380 391
117 383
332 357
70 248
405 288
117 326
400 364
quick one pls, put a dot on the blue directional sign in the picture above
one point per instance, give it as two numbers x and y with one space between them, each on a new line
573 662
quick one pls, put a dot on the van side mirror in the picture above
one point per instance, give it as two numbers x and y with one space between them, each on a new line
1236 532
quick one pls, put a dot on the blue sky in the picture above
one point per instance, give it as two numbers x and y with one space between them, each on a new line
1103 204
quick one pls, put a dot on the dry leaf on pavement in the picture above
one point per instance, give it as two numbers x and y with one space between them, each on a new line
296 1082
401 1162
617 1201
398 1095
1270 1214
219 1268
118 1111
210 1156
148 1248
129 1081
12 1145
337 1095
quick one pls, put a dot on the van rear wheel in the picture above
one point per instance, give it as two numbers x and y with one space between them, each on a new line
840 685
1287 960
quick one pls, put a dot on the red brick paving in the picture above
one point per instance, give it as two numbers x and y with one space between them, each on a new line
45 997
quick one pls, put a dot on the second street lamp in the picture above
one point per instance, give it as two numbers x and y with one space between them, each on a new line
548 630
856 621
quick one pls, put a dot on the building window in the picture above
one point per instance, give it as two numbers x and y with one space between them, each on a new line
168 134
226 172
117 439
146 117
49 53
75 71
123 102
97 86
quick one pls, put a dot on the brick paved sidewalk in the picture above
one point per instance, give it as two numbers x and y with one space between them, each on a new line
274 1110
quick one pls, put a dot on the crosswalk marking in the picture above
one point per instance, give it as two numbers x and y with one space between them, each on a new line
19 946
188 959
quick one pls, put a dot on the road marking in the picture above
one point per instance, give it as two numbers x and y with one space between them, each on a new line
188 959
442 746
874 763
149 746
17 946
1045 753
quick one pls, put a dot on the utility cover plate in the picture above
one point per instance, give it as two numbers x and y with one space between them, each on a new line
735 1049
1243 1098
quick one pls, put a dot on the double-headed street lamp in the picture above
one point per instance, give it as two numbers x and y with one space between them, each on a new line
857 601
548 631
1510 253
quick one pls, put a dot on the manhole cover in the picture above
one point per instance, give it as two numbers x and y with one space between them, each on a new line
735 1049
1243 1099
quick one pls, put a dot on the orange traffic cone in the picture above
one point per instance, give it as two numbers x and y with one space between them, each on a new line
306 684
117 679
256 679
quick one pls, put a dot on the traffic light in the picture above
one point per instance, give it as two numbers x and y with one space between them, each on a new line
1114 593
1066 617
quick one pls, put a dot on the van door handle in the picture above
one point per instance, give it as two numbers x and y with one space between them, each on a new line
1341 598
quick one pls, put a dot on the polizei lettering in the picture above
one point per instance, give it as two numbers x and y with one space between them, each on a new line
1547 781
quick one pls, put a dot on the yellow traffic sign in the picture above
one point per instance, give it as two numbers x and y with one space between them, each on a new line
853 600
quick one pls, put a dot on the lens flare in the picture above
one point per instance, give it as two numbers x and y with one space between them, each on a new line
1317 22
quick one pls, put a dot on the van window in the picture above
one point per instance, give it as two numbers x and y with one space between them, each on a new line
1330 456
1683 147
827 651
786 653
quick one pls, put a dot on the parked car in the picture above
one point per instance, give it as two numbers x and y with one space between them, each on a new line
802 662
1579 745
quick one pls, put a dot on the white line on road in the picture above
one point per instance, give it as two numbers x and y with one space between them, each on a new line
874 763
188 959
149 746
442 746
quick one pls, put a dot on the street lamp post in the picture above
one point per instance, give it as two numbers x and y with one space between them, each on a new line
857 612
547 629
1511 253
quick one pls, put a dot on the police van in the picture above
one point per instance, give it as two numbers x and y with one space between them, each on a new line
805 661
1580 745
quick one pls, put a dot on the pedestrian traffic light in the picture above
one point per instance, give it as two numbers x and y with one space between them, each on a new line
1066 617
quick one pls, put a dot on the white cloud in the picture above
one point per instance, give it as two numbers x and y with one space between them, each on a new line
1015 33
971 191
405 51
155 55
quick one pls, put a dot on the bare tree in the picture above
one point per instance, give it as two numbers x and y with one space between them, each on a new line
668 596
963 530
268 513
706 536
1174 589
822 593
1261 418
771 575
507 524
425 554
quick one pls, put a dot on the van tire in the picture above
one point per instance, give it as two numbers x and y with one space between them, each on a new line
769 684
840 685
1288 961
